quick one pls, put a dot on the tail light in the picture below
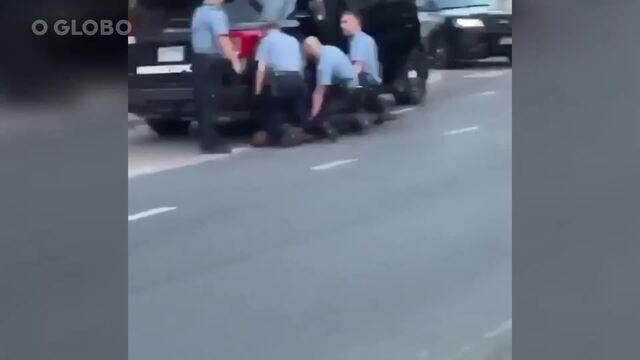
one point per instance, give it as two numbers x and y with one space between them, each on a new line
246 42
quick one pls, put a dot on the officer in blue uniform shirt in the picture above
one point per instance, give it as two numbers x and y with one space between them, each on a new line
363 52
279 56
213 53
335 79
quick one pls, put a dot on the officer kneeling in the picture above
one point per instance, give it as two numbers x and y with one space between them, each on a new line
363 52
279 55
336 83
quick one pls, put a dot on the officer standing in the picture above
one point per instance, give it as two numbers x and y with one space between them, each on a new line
335 78
280 56
363 52
212 54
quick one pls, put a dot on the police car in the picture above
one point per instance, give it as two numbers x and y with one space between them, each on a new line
463 30
160 76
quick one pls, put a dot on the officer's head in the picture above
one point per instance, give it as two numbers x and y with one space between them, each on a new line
312 46
351 23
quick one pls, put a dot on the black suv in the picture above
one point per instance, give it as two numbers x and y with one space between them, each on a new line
461 30
160 78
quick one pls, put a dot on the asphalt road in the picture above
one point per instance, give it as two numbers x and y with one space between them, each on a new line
394 245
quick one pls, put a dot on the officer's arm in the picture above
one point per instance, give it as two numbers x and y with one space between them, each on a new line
221 27
261 58
260 75
227 48
317 99
357 55
323 79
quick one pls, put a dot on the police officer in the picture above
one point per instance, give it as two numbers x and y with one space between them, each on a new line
280 56
212 54
363 53
335 79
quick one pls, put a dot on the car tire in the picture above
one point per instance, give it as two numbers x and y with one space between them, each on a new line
412 90
413 96
442 53
168 127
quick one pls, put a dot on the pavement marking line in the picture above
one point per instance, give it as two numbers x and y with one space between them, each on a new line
484 74
463 130
196 160
150 212
333 164
487 93
505 326
401 111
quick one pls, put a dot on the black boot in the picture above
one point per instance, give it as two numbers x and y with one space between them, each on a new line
329 132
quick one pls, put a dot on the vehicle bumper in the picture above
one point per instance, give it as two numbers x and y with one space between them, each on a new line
475 44
175 102
178 103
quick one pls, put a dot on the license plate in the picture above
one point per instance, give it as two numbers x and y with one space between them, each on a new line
505 41
171 54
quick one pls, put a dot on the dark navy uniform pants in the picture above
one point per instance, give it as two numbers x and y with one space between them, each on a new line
287 99
371 89
207 75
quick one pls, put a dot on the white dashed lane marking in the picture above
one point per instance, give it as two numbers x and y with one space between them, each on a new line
505 326
333 164
487 93
463 130
150 212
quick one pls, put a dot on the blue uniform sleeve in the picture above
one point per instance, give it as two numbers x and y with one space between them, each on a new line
323 73
220 23
358 49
